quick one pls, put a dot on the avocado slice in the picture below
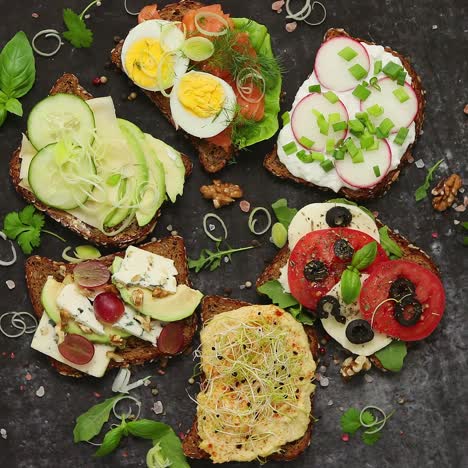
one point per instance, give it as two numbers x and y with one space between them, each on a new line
171 308
49 294
174 169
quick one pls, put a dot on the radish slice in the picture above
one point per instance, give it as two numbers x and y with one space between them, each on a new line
401 114
304 122
362 175
332 70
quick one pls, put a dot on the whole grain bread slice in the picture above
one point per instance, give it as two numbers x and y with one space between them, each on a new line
133 234
211 306
273 164
213 158
137 351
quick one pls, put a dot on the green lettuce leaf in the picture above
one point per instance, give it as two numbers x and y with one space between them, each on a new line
268 126
392 356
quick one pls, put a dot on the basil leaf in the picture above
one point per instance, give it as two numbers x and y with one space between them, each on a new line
350 285
171 448
17 66
3 114
3 97
283 213
147 429
275 292
364 256
14 107
89 424
389 245
111 441
392 356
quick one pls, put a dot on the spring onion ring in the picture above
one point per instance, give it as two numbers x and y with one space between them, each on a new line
129 414
207 14
159 80
121 380
253 221
67 257
245 91
48 33
128 11
377 424
207 231
13 250
305 12
18 322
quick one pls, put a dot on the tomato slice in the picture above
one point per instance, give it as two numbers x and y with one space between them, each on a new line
76 349
171 340
319 245
429 292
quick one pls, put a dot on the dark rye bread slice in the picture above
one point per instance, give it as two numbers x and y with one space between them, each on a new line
211 306
276 167
133 234
213 158
136 351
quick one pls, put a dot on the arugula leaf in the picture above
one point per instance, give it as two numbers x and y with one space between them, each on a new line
364 256
421 192
89 424
77 34
275 292
301 316
14 107
350 421
371 439
111 440
24 227
392 356
344 201
211 260
283 214
390 246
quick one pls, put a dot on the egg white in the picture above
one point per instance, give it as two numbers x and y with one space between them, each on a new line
152 30
203 127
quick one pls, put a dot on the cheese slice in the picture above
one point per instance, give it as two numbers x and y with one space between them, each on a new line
45 341
130 324
337 330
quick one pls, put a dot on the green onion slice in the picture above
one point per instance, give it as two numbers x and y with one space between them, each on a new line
315 89
401 136
358 158
376 171
339 126
305 157
392 70
347 53
384 128
331 96
361 92
307 142
374 83
279 235
375 110
290 148
286 118
208 231
358 71
330 146
253 222
198 48
327 165
401 95
377 67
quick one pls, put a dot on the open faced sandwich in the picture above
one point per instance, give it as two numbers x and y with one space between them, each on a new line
96 174
123 309
213 76
255 400
353 121
371 289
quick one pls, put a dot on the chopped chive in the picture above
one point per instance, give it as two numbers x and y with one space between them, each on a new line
358 158
376 171
286 118
337 127
365 83
331 96
367 140
327 165
361 92
401 95
374 83
316 156
322 124
392 69
375 145
375 110
377 67
330 146
307 142
290 148
355 126
317 113
362 116
351 147
339 154
401 136
315 89
347 53
333 118
401 77
358 71
383 130
304 156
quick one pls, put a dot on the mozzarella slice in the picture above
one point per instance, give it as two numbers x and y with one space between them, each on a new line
312 218
338 330
129 324
45 341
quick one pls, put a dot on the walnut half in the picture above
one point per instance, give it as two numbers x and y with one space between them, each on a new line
222 193
352 366
445 192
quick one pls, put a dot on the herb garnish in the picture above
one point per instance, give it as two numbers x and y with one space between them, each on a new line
78 34
421 192
392 356
17 74
25 227
211 260
283 213
391 247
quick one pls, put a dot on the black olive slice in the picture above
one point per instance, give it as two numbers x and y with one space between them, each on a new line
340 319
338 216
359 331
328 305
402 287
315 270
343 249
408 311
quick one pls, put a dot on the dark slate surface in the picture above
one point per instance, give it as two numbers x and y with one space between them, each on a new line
430 428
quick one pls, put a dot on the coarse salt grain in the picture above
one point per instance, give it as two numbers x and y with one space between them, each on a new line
226 259
10 284
153 239
35 15
324 382
435 235
248 284
28 376
174 233
322 369
3 433
419 164
169 227
244 205
330 402
290 27
434 26
158 408
40 392
456 221
460 208
368 378
276 6
211 227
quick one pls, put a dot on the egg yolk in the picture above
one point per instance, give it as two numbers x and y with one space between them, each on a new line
201 94
143 64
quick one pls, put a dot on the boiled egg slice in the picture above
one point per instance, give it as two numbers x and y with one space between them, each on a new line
151 55
202 104
351 312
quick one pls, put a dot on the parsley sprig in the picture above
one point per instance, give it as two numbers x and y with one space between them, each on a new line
421 192
78 34
25 227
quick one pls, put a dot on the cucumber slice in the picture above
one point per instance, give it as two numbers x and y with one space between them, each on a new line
58 116
50 186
